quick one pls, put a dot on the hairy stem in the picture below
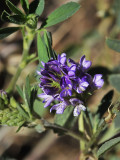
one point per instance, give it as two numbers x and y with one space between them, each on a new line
79 136
27 40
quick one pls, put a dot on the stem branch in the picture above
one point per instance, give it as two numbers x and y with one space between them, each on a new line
95 137
79 136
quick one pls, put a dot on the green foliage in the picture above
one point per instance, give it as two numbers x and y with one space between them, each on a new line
13 8
5 32
113 44
60 14
114 80
66 119
38 105
4 16
25 5
116 7
107 145
19 91
17 19
117 121
40 7
48 43
42 50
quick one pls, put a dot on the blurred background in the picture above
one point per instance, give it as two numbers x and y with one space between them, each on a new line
84 33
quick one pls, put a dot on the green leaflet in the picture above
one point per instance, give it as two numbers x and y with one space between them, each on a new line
61 14
4 16
107 145
17 19
13 8
4 32
25 5
66 119
19 91
42 50
40 7
114 80
113 44
116 8
48 42
38 105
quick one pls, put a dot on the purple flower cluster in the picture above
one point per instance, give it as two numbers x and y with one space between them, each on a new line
68 83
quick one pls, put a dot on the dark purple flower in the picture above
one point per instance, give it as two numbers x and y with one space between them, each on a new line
66 86
72 71
63 83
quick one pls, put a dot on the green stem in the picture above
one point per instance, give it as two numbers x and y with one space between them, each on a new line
95 137
81 129
27 40
89 122
79 136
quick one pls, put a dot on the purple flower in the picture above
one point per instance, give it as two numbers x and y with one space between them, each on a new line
65 82
60 107
97 81
66 87
83 84
62 59
78 109
72 71
85 65
3 93
78 106
47 99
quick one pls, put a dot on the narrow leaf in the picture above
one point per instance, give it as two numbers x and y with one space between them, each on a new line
25 5
61 14
40 7
27 86
42 51
114 80
4 32
19 91
48 44
13 8
113 44
107 145
17 19
22 111
4 16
